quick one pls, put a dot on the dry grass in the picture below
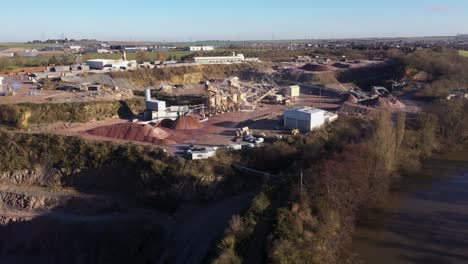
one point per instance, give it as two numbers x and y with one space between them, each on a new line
463 53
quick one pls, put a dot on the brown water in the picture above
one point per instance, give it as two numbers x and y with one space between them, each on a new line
426 222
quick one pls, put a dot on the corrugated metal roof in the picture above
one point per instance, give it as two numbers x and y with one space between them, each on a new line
305 109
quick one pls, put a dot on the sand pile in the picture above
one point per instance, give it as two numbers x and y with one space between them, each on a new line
186 123
167 123
133 132
349 98
317 68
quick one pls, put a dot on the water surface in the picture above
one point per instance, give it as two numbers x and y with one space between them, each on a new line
426 222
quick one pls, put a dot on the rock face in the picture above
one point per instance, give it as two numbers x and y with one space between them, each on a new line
60 225
24 115
132 132
36 176
57 238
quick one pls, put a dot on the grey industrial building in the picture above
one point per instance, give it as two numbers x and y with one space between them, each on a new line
307 118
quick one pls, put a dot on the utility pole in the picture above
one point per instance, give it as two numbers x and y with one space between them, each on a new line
320 94
301 184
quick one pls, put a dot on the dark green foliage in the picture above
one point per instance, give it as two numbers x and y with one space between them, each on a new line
40 61
9 114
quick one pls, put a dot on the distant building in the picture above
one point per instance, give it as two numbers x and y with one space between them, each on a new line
1 85
136 49
6 54
29 53
252 59
52 48
462 37
220 59
101 64
75 48
307 118
200 48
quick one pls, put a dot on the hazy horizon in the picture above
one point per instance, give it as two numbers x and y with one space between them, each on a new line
188 21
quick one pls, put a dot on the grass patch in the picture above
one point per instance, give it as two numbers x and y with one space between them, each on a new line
463 53
151 56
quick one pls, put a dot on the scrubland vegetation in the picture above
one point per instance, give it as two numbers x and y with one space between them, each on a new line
440 70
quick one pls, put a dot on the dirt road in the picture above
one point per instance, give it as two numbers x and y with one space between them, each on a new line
195 230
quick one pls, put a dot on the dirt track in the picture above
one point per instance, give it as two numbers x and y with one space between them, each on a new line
194 230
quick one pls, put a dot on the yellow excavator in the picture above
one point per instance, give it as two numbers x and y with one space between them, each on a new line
295 132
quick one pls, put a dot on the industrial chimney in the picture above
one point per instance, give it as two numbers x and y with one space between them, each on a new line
147 94
1 84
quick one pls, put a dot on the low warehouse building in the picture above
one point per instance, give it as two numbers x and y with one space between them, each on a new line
100 64
307 118
7 54
200 48
220 59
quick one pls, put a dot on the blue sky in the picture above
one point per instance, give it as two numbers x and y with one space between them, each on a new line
180 20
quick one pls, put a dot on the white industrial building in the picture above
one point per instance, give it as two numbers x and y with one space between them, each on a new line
205 153
101 64
252 59
200 48
7 54
155 109
75 47
1 85
307 118
136 49
220 59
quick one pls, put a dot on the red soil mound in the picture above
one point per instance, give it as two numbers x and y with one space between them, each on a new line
167 123
341 65
317 68
349 98
132 132
186 123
